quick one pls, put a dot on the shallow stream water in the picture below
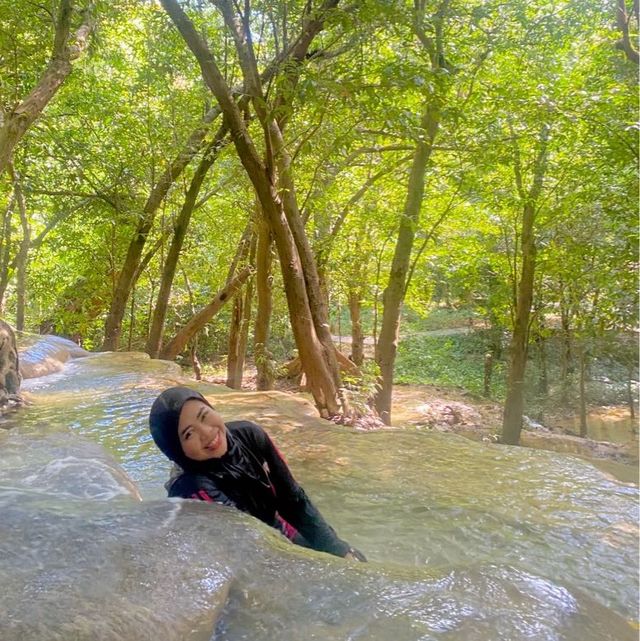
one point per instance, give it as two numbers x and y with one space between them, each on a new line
466 541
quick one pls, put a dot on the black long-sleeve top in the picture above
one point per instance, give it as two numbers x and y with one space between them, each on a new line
253 476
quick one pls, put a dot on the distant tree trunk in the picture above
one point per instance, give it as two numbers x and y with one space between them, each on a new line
583 394
5 249
261 354
566 365
243 336
394 293
130 271
235 327
244 253
193 345
376 300
543 379
177 344
488 374
20 118
132 318
23 253
630 400
180 231
195 363
238 348
357 337
150 306
514 403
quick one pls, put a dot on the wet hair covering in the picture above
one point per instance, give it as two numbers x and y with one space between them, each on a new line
164 418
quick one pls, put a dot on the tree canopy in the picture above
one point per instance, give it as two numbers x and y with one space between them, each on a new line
381 156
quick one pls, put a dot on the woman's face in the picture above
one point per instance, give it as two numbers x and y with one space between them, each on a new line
202 431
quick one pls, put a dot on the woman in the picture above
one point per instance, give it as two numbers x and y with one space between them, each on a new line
236 464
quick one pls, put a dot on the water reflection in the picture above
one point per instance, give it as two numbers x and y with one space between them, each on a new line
467 540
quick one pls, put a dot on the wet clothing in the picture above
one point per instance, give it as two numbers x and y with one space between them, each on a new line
251 476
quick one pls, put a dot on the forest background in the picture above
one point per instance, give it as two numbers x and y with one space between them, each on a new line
197 179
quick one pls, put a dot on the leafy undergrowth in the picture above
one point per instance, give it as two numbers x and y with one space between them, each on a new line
448 361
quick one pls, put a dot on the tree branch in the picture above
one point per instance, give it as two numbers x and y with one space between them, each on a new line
622 20
18 121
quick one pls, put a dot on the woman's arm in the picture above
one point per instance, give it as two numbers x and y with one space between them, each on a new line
200 487
294 505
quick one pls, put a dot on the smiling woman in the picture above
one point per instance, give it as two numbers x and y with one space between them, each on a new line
202 432
237 464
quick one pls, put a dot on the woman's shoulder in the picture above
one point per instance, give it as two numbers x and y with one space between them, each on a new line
245 428
187 485
249 433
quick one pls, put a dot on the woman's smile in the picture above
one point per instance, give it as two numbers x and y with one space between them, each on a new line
202 432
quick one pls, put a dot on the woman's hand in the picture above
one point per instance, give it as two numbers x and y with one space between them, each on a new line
355 555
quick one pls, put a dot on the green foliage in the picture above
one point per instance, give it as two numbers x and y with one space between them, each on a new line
128 107
448 361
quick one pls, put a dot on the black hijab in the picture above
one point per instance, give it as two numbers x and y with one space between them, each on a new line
164 417
238 473
163 422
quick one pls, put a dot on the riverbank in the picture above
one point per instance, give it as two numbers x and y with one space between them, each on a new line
450 410
429 407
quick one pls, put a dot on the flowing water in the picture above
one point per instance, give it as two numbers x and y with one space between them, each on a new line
466 541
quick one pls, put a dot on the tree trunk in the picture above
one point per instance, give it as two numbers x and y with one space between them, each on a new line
261 354
244 252
583 394
234 375
565 353
623 20
488 374
129 271
150 305
235 370
394 293
179 341
543 380
180 231
317 301
132 318
233 356
195 362
514 403
5 249
23 253
17 122
193 346
357 336
314 358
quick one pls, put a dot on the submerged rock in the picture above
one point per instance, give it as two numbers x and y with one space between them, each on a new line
467 541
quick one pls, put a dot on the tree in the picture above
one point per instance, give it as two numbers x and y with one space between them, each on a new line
180 230
273 184
529 200
15 123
